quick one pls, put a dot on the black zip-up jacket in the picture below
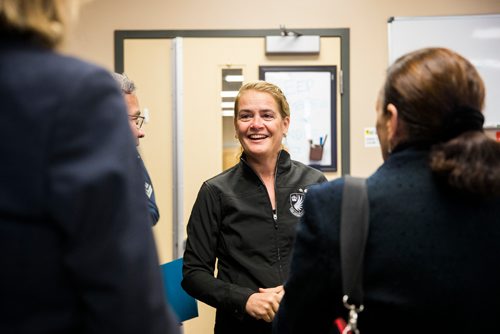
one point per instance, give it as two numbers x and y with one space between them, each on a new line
233 221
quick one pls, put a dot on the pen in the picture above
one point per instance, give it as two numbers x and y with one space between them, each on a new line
322 142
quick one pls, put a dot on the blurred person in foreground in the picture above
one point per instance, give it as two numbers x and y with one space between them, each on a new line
76 256
246 217
136 121
431 260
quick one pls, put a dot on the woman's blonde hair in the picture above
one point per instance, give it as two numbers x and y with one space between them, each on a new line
44 21
265 87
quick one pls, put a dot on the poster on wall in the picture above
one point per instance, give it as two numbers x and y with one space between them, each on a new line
311 92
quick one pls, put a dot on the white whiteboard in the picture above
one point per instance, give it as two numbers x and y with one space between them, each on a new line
476 37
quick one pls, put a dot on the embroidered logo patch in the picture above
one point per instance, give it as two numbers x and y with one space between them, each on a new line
149 189
296 204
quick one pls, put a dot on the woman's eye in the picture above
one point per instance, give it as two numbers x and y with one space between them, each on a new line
245 116
268 116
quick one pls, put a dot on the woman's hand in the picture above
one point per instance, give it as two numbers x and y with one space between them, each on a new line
265 303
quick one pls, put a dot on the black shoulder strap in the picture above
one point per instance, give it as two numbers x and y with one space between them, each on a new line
353 235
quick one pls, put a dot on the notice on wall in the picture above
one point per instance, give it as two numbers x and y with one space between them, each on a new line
371 138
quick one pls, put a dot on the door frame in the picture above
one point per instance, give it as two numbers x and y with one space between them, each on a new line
343 33
176 36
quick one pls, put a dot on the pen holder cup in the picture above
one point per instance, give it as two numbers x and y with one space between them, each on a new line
315 152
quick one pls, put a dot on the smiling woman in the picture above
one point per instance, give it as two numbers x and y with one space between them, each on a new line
262 118
246 217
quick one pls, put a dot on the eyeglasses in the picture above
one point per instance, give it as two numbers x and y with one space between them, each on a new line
138 120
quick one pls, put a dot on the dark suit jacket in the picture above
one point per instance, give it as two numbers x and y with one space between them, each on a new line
154 213
76 255
431 263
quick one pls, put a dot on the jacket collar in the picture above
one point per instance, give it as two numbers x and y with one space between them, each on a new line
284 161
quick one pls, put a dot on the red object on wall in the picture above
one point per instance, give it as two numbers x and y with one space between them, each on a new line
498 136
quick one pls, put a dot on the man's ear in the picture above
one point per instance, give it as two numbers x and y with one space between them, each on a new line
392 123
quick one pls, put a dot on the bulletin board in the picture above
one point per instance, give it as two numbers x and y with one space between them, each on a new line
311 92
476 37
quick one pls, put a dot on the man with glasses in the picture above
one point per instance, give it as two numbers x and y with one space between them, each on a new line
136 121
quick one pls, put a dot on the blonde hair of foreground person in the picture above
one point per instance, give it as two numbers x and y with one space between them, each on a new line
44 21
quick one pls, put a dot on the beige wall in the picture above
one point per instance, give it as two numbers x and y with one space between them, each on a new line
366 19
148 65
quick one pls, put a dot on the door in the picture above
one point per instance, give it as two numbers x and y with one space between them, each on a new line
206 135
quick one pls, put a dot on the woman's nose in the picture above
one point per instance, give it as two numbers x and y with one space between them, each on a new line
256 122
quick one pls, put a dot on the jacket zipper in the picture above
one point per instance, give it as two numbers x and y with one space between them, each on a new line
274 214
275 217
